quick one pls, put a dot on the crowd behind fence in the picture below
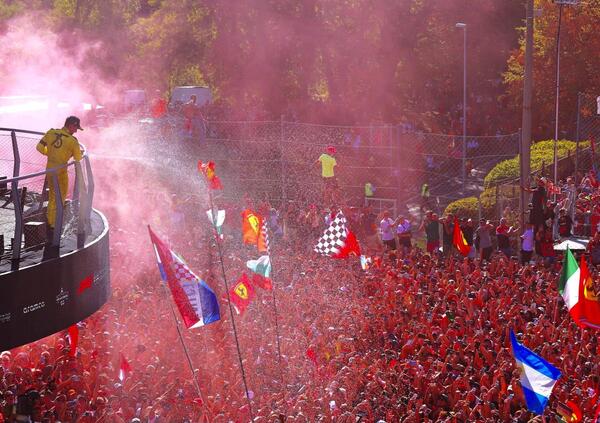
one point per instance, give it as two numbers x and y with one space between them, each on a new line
277 160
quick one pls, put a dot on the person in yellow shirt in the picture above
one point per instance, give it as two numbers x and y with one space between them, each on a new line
328 164
59 145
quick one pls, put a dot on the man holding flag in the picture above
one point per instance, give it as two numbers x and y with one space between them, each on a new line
459 241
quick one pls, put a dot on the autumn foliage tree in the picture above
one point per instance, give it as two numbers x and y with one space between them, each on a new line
578 62
337 61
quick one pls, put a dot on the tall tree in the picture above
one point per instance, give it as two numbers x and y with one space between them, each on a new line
578 63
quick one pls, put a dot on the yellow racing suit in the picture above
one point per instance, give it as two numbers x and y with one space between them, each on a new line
59 145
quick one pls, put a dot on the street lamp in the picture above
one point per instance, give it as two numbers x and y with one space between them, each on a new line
560 3
463 26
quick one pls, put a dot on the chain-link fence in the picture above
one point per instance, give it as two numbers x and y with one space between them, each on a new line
277 161
588 129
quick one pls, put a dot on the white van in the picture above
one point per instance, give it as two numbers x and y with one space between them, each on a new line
181 95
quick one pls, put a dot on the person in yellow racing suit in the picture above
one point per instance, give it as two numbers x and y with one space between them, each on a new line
59 145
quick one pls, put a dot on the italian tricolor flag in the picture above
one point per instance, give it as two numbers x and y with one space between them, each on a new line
576 287
568 285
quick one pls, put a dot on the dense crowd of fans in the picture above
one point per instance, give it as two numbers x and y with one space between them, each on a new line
420 335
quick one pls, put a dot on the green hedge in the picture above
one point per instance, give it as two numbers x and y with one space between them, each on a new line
465 207
468 207
541 152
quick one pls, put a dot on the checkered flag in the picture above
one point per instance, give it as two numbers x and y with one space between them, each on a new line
264 233
334 237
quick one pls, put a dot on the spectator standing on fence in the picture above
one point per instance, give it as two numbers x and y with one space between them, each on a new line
538 203
484 236
59 145
570 192
551 215
328 163
369 190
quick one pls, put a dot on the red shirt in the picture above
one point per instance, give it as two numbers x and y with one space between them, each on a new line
502 229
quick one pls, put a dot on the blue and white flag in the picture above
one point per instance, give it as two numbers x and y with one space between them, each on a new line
537 376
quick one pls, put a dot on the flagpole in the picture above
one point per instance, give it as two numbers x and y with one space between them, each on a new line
277 335
185 350
235 335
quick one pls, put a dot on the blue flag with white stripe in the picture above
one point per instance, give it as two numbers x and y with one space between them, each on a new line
537 376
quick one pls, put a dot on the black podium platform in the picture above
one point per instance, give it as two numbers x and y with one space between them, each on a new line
47 295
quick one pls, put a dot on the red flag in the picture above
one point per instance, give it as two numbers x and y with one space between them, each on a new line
208 170
73 339
569 411
459 240
312 356
262 282
589 301
241 294
577 414
85 284
124 368
350 247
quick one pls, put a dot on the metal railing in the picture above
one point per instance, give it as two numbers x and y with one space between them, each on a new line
28 193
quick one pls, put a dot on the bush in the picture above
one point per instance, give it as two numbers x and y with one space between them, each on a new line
541 153
469 208
465 207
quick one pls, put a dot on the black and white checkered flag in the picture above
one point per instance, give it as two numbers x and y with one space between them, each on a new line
334 236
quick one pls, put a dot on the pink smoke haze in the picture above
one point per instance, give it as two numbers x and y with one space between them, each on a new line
42 78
